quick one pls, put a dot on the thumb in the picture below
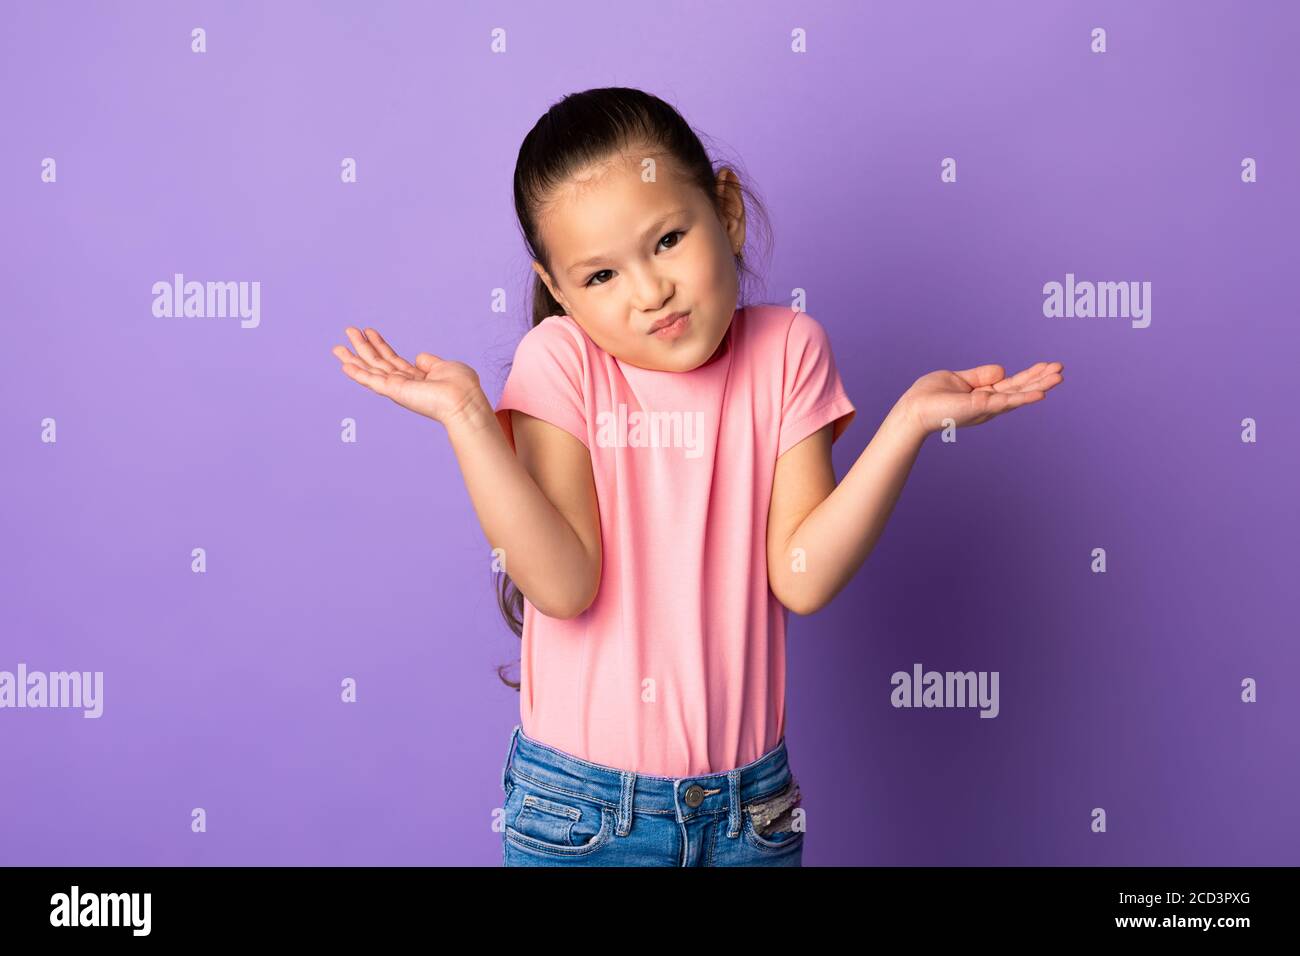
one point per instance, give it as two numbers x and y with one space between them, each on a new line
982 375
425 361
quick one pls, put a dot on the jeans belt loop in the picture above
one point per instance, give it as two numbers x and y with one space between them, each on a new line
733 803
514 737
626 793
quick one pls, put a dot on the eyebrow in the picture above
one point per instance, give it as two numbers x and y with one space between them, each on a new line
654 227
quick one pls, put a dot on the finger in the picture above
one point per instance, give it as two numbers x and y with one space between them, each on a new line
1047 382
981 375
1047 371
350 359
1022 378
375 381
366 350
1030 377
387 352
344 355
1043 383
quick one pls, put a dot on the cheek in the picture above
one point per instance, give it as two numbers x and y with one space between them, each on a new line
718 268
610 331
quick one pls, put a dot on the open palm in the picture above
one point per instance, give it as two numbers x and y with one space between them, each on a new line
975 395
432 386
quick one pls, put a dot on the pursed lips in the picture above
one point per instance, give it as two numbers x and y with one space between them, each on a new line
665 322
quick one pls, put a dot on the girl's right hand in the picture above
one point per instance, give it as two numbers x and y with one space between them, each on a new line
440 389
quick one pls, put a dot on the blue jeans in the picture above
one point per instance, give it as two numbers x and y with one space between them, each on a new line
561 810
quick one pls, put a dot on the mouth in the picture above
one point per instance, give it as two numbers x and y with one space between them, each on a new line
672 323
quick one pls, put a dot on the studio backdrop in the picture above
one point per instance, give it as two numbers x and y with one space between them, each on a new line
249 616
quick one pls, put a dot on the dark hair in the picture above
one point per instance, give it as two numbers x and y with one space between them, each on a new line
584 129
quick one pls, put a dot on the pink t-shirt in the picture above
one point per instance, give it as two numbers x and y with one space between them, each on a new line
678 666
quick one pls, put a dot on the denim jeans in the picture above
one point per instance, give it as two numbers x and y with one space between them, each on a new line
561 810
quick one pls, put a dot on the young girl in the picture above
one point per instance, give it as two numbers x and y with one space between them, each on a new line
658 479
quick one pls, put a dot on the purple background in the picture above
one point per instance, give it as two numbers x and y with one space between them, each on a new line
326 560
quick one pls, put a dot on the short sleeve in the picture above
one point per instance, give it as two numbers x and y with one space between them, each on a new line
546 380
812 393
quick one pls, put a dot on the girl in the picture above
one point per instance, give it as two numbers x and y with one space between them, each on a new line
658 478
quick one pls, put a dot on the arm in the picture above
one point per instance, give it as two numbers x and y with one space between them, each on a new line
835 527
538 506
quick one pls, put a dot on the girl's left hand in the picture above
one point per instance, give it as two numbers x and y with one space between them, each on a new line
975 395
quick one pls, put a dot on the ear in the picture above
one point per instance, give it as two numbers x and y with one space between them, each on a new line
732 205
537 267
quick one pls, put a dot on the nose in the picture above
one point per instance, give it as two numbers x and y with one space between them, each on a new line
652 290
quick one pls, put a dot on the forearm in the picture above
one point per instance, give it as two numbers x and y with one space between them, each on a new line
543 554
837 536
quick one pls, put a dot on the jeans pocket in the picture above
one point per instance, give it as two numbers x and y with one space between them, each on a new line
553 822
771 821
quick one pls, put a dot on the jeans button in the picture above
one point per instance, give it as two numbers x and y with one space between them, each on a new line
694 795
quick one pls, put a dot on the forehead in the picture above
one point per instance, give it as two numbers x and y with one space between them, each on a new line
603 209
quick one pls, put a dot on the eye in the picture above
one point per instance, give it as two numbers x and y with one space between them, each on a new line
676 232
